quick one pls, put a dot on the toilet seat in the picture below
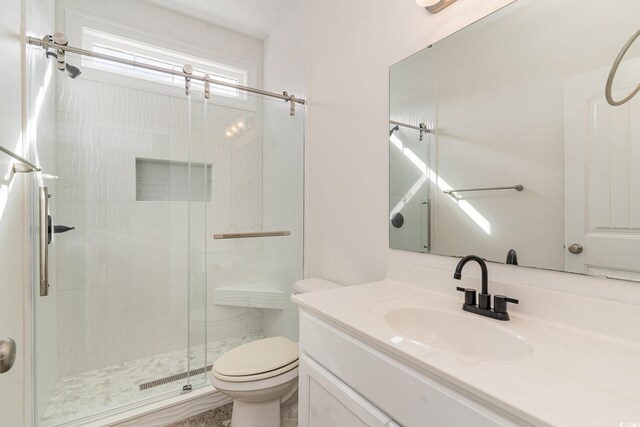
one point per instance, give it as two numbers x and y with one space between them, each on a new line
257 360
256 377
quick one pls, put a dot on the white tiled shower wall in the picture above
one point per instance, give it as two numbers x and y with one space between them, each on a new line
122 275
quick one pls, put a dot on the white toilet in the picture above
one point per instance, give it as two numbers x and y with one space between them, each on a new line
262 375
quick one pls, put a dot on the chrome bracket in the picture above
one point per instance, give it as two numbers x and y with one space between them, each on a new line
188 70
291 99
423 129
60 40
24 168
207 86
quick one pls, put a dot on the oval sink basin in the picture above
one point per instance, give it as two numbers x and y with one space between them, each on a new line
458 333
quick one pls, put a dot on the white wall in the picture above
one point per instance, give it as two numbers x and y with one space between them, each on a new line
12 214
352 44
285 68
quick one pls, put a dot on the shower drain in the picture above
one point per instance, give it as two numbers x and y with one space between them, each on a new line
172 378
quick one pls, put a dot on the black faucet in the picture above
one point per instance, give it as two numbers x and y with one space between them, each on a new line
484 307
512 257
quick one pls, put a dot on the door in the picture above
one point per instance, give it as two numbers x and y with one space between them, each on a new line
126 252
602 181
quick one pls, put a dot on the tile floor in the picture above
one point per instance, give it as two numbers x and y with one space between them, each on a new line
93 392
221 417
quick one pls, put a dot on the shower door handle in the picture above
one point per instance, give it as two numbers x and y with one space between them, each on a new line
44 241
427 204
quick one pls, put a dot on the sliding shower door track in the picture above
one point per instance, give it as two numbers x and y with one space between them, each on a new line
172 378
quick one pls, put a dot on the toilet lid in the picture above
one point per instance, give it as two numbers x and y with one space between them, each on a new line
257 357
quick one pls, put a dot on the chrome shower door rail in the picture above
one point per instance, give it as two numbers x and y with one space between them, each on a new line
252 234
45 43
25 165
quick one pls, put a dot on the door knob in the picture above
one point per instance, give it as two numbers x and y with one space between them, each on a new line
7 354
576 248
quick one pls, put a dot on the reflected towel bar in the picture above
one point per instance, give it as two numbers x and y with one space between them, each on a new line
421 127
515 187
249 235
25 167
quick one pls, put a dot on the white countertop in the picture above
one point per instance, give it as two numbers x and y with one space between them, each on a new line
572 378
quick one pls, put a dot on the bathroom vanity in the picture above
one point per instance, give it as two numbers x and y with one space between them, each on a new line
345 381
389 353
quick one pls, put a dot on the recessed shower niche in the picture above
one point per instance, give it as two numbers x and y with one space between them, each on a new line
166 180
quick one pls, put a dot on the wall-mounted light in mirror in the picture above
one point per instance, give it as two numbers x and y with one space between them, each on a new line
435 6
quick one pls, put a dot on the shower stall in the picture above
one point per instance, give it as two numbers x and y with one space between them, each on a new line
167 219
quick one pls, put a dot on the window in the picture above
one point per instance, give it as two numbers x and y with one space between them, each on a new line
120 47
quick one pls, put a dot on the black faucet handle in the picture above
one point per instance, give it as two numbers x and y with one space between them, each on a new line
500 303
469 295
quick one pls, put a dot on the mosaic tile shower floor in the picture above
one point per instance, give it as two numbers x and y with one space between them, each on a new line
93 392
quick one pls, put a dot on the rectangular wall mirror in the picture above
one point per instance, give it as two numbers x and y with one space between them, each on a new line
501 139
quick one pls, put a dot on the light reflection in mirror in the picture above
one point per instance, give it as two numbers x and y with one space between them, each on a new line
465 206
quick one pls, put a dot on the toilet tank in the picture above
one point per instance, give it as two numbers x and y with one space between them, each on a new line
312 285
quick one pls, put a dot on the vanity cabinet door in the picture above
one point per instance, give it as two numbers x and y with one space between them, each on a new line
326 401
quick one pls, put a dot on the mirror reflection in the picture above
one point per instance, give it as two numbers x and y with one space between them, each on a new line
503 144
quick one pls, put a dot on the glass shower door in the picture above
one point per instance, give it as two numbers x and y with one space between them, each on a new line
124 314
143 298
255 222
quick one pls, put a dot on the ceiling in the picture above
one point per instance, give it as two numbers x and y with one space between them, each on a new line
255 18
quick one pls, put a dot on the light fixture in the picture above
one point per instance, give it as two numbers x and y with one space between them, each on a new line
435 7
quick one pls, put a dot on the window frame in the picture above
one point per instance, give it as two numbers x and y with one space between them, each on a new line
91 30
